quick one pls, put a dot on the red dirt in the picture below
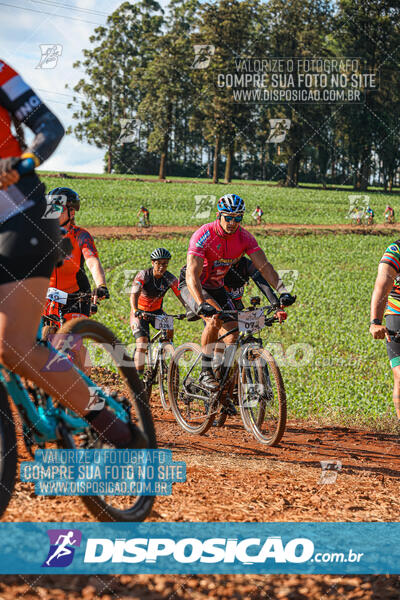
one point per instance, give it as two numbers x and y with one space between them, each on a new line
230 477
167 231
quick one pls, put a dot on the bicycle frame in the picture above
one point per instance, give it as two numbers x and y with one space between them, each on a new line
243 338
43 421
161 337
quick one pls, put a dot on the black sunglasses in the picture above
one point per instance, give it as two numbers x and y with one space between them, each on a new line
229 218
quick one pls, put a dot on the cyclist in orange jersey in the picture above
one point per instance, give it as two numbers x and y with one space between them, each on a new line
70 277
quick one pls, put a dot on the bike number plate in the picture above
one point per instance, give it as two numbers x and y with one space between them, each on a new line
163 322
56 295
251 320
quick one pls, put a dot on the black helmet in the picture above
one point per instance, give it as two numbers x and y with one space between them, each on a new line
160 253
72 198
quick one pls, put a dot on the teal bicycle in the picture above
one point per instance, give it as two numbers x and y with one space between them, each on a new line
115 382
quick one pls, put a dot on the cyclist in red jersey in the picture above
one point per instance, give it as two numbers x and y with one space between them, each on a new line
29 249
144 216
70 277
212 250
147 295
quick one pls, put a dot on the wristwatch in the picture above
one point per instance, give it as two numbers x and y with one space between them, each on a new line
376 322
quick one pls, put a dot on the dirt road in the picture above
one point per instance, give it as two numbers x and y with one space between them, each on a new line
169 231
230 477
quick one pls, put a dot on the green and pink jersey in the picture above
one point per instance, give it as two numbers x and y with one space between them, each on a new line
392 257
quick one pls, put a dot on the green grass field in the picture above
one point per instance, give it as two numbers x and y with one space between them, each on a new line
344 376
112 202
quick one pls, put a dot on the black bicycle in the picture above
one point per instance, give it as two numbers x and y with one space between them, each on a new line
249 378
159 353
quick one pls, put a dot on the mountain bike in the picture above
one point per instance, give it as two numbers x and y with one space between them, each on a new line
114 381
248 377
158 357
389 218
144 224
58 298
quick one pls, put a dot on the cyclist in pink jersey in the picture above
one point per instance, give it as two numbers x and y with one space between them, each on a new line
212 250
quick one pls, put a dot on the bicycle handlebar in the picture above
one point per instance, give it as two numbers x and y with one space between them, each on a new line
268 321
179 317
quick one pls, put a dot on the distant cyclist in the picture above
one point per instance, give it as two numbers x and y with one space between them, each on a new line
144 216
29 249
212 250
257 214
147 295
70 277
389 214
385 301
369 213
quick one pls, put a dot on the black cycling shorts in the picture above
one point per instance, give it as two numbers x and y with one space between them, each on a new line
392 347
28 245
219 295
142 325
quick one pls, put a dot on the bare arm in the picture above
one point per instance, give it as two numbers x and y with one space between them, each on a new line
383 285
134 298
96 269
267 271
193 272
182 302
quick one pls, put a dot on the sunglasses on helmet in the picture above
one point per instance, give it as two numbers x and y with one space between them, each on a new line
237 219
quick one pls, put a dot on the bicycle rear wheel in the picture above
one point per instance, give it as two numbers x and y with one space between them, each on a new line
190 403
162 374
111 368
8 451
262 397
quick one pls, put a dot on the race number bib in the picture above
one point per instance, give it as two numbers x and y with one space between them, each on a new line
56 295
163 322
252 320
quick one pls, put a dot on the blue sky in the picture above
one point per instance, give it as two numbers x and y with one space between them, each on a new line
37 22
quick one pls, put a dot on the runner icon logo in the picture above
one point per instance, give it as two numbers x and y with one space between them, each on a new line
61 552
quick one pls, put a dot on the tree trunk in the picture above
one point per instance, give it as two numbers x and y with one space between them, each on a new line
364 174
262 165
163 160
216 158
292 171
109 160
164 149
228 164
210 159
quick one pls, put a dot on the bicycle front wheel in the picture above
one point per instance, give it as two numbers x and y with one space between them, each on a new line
111 368
262 397
8 451
167 353
190 403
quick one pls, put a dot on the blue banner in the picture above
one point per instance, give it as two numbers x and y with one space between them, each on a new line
194 548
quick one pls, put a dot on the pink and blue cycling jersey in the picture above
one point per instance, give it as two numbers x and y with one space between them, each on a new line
219 249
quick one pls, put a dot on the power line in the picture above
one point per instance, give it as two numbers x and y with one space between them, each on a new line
59 101
45 13
87 11
60 93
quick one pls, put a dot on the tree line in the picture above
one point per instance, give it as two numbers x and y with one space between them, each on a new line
146 97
